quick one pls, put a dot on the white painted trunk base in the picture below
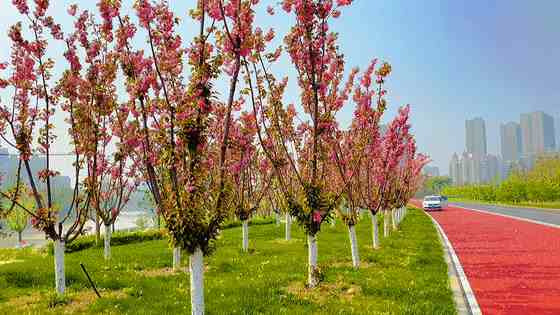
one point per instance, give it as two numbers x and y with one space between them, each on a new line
386 218
394 219
176 258
354 247
196 268
375 231
288 227
277 219
59 276
107 243
312 280
245 235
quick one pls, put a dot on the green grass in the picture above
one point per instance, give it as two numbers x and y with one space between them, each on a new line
406 276
553 205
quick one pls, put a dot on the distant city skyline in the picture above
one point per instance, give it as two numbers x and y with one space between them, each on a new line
520 143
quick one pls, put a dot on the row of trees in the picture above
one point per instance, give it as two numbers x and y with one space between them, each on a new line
153 115
538 185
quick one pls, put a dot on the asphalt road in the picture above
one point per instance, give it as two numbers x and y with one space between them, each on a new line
541 215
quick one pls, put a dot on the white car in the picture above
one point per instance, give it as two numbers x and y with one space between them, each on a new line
434 203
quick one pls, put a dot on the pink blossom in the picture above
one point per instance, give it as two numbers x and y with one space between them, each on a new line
72 9
21 5
316 216
270 10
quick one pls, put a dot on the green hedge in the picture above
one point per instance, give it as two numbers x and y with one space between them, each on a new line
122 238
117 238
253 221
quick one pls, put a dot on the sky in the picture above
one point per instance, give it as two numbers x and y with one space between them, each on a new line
451 60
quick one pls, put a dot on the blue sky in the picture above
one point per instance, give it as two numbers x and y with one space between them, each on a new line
452 60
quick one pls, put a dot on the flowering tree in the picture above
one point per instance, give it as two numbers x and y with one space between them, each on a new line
300 153
180 129
26 125
349 149
384 153
275 199
394 144
90 90
405 181
250 172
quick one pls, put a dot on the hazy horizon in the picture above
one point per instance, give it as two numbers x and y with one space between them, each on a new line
451 61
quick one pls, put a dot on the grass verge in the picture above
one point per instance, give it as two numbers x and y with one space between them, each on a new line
406 276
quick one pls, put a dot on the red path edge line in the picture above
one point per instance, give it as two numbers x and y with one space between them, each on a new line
513 266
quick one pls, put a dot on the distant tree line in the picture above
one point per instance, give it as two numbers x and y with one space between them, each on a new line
434 185
538 185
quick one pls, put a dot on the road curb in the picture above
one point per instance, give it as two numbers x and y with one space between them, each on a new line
509 216
465 301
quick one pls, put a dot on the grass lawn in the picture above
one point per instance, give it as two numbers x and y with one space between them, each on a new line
406 276
553 205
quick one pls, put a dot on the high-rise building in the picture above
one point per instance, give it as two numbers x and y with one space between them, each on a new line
455 170
470 169
510 137
475 133
537 133
466 168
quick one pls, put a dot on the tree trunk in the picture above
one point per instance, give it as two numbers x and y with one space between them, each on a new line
313 276
97 230
107 242
375 231
277 218
386 218
59 276
288 227
245 235
394 219
354 247
19 237
176 258
197 282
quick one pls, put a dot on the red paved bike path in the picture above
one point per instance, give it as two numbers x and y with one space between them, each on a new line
513 266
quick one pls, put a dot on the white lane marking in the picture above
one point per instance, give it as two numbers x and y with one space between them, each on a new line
467 291
510 216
